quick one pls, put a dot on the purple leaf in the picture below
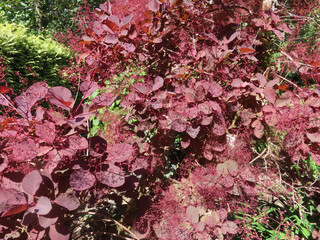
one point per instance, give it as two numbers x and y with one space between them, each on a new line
205 107
143 88
192 214
270 94
158 83
229 227
113 177
25 151
278 34
140 166
153 6
26 100
120 152
31 182
215 89
178 125
129 47
36 234
284 27
88 87
58 118
3 162
126 20
54 158
219 129
97 27
11 197
47 222
59 232
81 179
43 206
185 142
258 129
68 200
193 132
232 167
114 19
46 132
237 83
104 99
111 39
206 120
98 146
262 79
77 142
284 99
4 100
61 97
314 136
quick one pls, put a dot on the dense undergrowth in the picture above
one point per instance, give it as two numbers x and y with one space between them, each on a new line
191 120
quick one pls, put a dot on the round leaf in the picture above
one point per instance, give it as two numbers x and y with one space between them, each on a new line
120 152
43 206
31 182
81 180
113 177
68 200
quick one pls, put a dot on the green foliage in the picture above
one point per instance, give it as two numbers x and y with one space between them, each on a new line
47 16
31 58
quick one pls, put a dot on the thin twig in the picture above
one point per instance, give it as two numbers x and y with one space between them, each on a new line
115 221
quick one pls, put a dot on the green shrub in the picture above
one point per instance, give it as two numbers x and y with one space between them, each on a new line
31 58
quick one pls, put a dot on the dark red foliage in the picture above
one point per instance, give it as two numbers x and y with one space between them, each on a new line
178 151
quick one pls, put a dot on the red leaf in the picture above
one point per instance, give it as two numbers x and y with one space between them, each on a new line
247 50
68 200
283 87
31 182
4 89
15 210
61 97
81 179
113 177
11 197
120 152
43 206
113 23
